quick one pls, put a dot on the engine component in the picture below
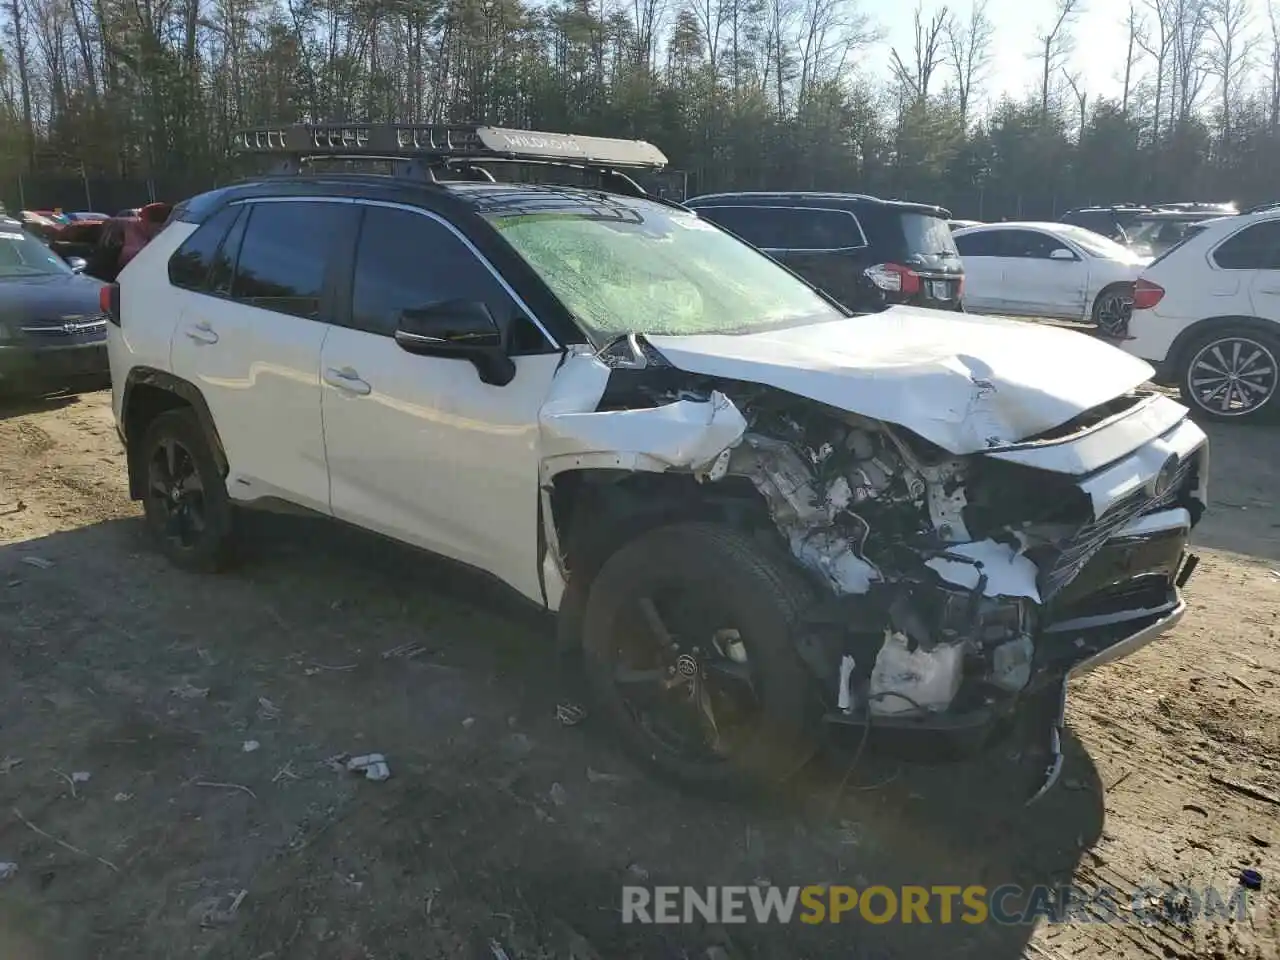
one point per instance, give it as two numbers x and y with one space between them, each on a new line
904 679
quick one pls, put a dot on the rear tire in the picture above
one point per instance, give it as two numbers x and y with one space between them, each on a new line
705 582
1113 309
1232 374
189 514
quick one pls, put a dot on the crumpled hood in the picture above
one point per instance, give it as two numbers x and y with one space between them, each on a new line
967 383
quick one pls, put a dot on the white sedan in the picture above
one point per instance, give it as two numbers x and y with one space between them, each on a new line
1048 270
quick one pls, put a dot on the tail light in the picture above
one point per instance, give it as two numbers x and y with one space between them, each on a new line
894 278
1146 294
109 302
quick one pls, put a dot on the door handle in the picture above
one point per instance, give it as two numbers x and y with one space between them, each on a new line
201 333
347 380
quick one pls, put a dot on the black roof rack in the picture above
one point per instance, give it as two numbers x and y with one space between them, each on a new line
423 150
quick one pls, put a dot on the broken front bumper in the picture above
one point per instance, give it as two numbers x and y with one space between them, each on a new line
1064 650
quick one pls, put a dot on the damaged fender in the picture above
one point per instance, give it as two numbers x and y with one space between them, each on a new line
688 435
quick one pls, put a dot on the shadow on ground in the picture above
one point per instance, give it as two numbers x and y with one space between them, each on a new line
1244 462
498 823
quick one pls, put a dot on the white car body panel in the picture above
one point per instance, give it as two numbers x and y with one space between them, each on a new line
1196 289
435 457
1033 287
146 280
968 384
259 373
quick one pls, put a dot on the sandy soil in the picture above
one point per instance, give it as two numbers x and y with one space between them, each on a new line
500 829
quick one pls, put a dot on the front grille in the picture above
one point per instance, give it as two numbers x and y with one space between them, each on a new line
1092 537
58 329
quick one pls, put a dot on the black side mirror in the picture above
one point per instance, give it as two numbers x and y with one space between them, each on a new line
460 329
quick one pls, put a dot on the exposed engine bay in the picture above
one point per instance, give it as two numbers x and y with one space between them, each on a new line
946 574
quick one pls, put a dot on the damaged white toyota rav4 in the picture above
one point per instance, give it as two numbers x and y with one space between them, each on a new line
755 513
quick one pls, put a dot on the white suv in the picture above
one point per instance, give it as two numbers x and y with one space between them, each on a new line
1207 316
752 511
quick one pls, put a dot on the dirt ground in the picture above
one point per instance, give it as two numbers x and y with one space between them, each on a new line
502 832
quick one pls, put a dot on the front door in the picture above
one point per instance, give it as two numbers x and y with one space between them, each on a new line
419 448
252 341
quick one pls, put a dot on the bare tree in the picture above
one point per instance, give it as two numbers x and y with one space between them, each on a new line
1193 28
1081 97
1158 46
18 26
1055 45
1275 67
1230 48
711 16
1136 27
969 53
927 53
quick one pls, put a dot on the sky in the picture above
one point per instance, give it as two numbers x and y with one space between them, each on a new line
1100 40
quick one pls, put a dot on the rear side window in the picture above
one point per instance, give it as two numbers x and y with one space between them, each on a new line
1253 248
790 228
759 226
285 253
224 261
189 266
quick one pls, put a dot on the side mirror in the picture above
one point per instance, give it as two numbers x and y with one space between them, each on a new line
461 330
1062 253
77 264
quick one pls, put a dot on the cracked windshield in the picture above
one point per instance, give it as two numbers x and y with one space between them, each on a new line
643 269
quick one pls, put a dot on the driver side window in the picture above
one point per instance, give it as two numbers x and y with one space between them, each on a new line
1030 245
407 261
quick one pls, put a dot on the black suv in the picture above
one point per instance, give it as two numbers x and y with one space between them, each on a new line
865 252
1113 222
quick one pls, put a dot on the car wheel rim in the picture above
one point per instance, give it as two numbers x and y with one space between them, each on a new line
1114 313
1232 377
684 678
176 493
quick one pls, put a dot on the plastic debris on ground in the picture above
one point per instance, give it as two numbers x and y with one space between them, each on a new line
249 746
39 563
570 714
81 776
7 869
1251 879
373 765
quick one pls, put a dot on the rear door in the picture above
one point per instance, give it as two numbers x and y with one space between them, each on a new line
251 343
1253 255
826 246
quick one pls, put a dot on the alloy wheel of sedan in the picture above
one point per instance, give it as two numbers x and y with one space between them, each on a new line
1233 376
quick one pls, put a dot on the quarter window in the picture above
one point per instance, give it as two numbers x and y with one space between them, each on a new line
285 253
189 266
789 228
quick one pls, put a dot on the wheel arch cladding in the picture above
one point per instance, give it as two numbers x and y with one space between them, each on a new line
149 393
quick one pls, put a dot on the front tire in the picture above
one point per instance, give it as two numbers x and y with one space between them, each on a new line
689 637
188 512
1232 374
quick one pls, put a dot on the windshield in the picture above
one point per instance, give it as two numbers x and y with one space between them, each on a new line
1094 244
928 236
641 268
24 256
